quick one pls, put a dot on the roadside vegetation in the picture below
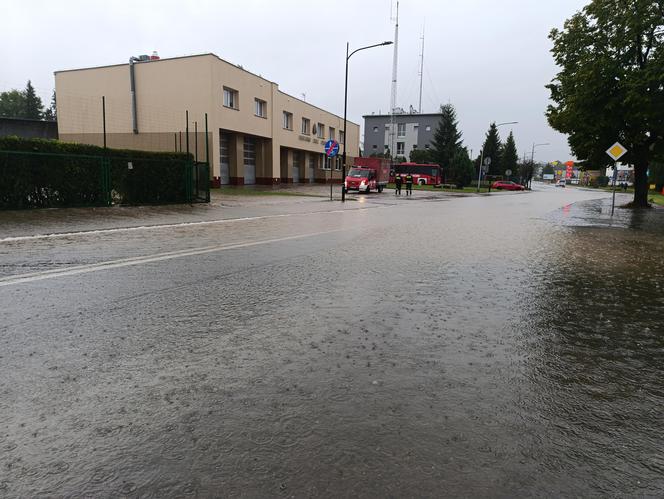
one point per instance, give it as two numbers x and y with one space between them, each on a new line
468 189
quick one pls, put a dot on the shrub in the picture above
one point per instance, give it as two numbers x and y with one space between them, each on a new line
39 173
602 181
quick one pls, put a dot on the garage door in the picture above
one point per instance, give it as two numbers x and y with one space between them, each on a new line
225 158
249 161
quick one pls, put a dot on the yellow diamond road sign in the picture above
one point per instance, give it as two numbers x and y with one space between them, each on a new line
616 151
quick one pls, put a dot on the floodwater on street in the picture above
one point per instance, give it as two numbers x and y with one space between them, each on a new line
497 346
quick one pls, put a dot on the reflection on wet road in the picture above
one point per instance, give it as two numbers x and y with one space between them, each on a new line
485 346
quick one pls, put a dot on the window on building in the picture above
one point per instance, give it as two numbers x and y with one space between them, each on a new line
428 128
306 126
231 98
341 136
331 133
401 130
260 108
288 120
414 146
374 147
375 129
320 131
337 163
426 146
401 148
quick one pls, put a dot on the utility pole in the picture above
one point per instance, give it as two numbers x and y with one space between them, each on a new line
393 96
419 108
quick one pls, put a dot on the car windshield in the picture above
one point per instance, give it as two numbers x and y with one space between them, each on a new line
357 173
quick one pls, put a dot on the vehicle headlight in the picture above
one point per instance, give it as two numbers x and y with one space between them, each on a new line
363 182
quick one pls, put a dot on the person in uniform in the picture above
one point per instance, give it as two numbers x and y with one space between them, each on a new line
397 183
409 184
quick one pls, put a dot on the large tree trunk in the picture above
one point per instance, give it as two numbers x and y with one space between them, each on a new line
641 181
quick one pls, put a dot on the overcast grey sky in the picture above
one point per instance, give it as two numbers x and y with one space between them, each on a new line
490 59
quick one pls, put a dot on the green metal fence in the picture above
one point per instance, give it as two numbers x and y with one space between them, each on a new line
47 180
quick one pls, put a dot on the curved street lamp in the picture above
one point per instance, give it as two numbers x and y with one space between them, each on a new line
343 157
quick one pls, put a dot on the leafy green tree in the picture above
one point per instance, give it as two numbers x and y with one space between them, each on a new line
492 149
609 88
461 169
12 104
34 109
525 170
447 137
509 156
420 156
50 113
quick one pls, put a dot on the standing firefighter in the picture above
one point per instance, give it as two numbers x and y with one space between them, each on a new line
397 183
409 184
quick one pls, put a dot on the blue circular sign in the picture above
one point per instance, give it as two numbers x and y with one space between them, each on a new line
331 148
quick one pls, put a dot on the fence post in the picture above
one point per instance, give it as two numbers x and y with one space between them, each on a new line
188 184
106 199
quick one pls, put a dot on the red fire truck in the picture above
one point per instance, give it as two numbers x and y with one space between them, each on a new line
367 175
423 173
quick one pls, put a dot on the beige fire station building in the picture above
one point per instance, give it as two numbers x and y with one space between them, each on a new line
257 134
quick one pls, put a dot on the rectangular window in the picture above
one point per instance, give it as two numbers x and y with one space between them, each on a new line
306 126
337 163
341 136
320 131
401 147
331 133
401 130
428 128
231 98
288 120
375 146
261 108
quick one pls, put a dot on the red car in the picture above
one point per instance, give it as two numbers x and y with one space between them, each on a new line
507 185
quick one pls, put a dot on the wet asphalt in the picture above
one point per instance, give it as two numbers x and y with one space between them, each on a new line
496 346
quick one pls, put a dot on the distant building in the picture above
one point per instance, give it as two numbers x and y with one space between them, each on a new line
257 133
625 173
412 131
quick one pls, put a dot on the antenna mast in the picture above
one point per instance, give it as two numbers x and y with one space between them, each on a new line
421 70
393 97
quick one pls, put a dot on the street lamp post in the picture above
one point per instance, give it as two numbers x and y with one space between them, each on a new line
343 157
532 159
479 173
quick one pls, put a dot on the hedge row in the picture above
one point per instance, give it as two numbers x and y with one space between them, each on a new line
38 173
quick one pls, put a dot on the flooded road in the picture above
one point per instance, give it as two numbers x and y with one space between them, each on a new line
498 346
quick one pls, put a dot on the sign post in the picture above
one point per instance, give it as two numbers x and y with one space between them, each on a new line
331 151
616 151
